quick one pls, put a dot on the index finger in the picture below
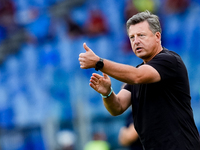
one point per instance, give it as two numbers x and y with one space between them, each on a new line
96 75
81 54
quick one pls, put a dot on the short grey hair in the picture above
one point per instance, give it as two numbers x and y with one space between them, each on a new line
153 21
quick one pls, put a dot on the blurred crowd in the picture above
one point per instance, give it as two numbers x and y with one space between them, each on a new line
46 102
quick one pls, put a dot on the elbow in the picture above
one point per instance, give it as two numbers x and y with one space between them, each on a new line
116 113
135 80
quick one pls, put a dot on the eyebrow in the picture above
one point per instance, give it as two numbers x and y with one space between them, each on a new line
142 32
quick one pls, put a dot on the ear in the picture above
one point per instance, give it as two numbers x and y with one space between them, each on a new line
158 36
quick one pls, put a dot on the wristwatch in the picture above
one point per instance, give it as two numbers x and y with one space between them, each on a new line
99 64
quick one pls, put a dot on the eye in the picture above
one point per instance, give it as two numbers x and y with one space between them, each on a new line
142 36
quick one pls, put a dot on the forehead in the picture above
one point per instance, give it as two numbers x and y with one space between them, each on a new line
139 27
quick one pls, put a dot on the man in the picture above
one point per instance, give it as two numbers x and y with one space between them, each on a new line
158 89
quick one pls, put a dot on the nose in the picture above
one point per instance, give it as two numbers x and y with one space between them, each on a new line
137 40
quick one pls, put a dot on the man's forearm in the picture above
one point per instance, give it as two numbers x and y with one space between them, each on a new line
113 105
121 72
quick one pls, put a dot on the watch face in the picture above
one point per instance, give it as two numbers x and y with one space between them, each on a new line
99 65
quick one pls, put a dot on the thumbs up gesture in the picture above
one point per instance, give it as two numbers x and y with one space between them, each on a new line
87 59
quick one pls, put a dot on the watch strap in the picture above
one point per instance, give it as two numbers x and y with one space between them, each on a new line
108 94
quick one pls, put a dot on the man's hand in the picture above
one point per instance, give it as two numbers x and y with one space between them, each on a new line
88 59
101 84
127 136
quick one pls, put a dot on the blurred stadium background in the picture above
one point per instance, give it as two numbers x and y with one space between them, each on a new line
46 102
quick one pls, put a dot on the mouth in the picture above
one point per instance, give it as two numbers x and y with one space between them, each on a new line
138 49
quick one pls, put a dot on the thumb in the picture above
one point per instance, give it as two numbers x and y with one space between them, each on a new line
105 76
86 47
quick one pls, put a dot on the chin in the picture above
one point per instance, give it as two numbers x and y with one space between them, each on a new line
140 56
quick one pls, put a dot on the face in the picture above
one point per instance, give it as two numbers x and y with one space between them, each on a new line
144 42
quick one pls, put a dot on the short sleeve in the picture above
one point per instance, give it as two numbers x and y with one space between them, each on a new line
166 65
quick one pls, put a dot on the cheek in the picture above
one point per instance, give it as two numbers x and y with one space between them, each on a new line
149 43
131 43
132 46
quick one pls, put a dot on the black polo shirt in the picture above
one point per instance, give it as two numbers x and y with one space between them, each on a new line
162 111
